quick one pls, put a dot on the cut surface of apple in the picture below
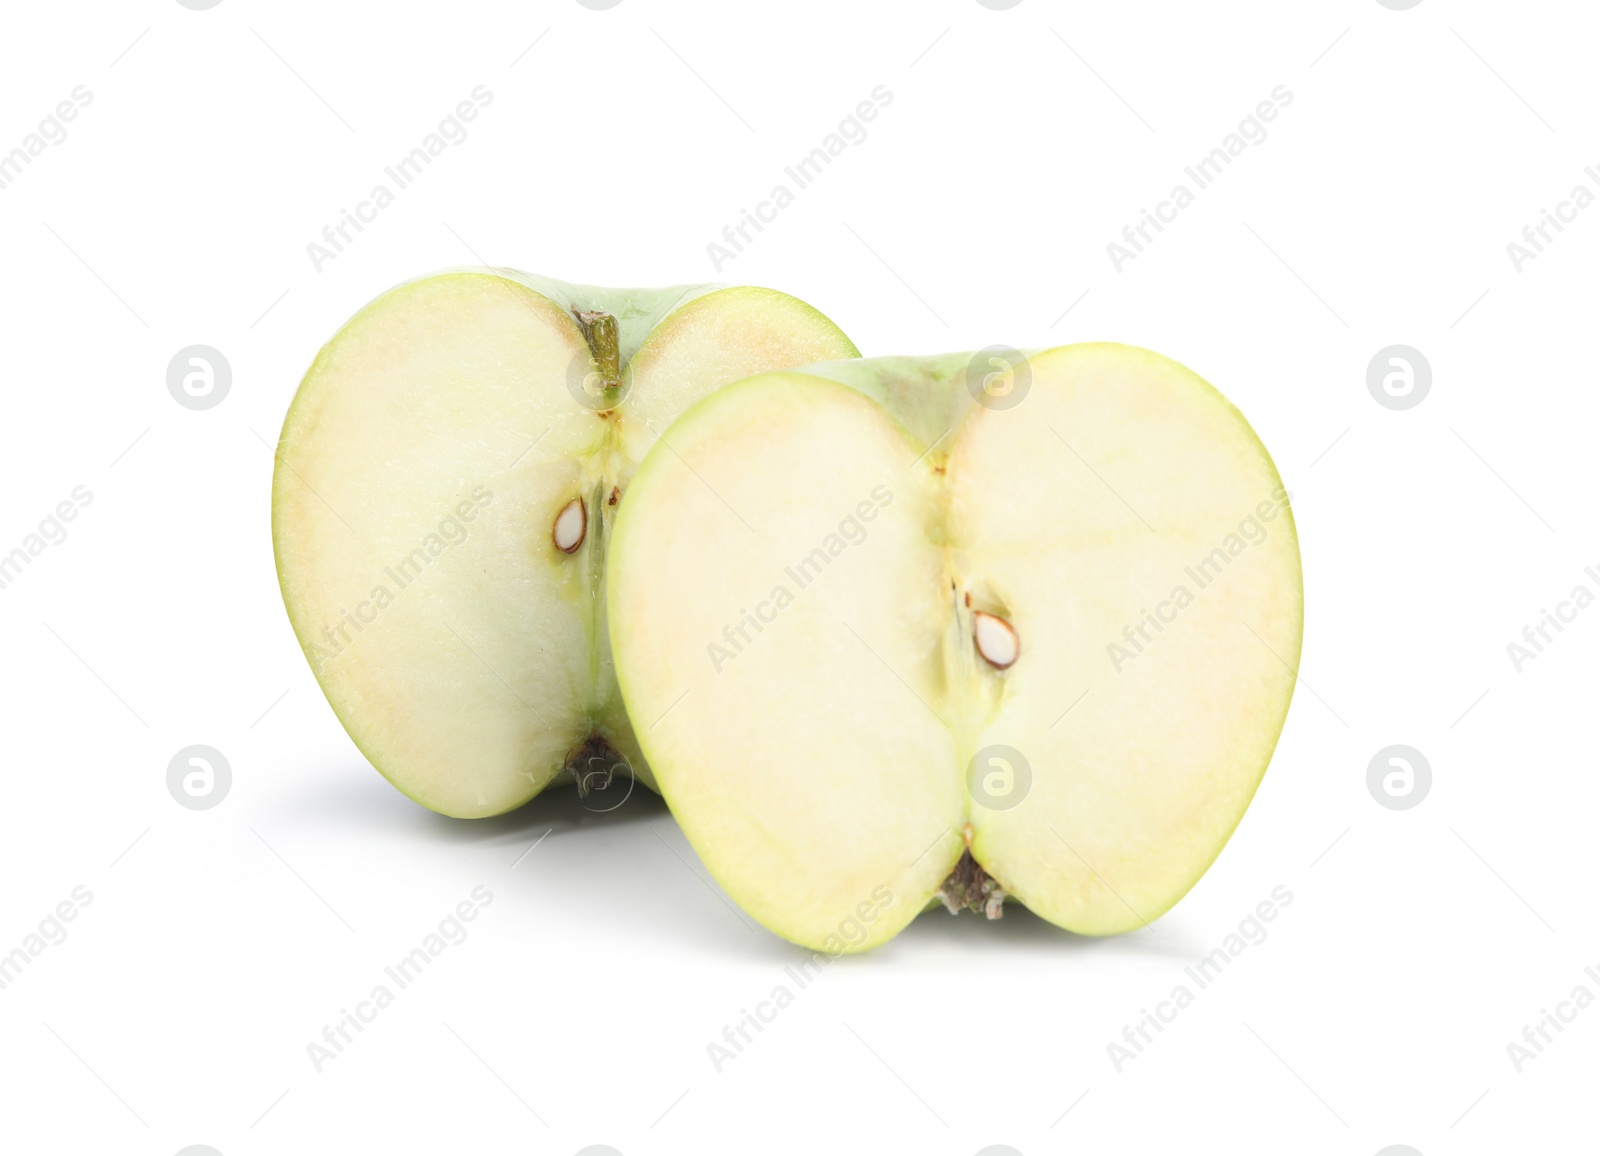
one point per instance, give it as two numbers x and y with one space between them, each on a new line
446 484
898 630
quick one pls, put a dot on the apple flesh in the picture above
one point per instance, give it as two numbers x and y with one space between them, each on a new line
892 634
446 484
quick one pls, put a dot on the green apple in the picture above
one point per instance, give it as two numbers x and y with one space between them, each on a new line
959 628
446 484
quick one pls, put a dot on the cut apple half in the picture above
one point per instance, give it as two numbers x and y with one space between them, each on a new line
446 485
887 642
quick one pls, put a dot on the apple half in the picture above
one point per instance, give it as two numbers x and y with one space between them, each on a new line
446 484
964 628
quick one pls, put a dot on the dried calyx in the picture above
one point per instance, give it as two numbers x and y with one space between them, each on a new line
594 765
969 886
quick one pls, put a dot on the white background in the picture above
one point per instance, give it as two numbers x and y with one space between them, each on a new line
1018 144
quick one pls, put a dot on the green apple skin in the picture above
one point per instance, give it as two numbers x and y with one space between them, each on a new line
820 732
421 470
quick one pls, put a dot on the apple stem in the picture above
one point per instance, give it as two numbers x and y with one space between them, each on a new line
600 331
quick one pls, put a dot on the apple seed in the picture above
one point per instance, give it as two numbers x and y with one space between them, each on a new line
571 524
996 640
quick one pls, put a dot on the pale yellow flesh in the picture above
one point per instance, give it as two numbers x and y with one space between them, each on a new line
822 772
444 400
